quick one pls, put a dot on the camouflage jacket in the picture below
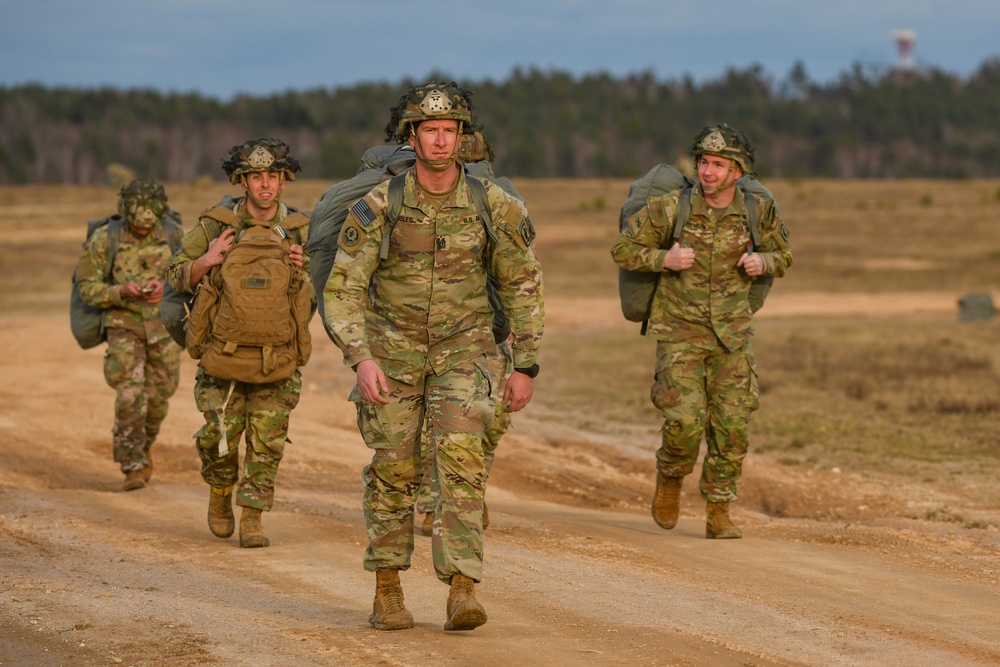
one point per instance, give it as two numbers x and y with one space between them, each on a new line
195 244
710 298
425 305
138 259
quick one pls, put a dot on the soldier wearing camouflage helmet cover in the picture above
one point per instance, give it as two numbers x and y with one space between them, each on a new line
232 408
142 362
411 314
706 376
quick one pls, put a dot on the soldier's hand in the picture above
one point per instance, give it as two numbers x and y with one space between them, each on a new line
295 255
153 292
517 391
219 247
372 383
752 263
131 290
678 258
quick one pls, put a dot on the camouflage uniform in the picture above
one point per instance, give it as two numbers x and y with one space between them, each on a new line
706 377
501 365
142 363
422 313
262 411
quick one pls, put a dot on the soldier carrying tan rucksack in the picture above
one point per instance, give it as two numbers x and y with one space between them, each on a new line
249 329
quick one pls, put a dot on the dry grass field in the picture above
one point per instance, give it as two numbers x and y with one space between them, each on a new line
869 501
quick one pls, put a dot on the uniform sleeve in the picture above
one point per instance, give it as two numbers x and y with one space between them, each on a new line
194 244
775 247
643 244
345 295
519 274
90 274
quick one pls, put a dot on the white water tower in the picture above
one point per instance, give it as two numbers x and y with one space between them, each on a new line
905 40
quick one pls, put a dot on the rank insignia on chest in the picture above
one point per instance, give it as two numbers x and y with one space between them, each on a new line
441 243
363 212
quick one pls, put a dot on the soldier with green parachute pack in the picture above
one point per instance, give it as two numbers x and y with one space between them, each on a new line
704 246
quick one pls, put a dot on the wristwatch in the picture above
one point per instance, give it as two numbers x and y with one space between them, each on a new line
531 371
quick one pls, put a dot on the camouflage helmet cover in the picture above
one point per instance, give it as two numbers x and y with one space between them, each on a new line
142 203
260 155
727 142
434 100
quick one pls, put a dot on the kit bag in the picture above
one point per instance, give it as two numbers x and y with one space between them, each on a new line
250 318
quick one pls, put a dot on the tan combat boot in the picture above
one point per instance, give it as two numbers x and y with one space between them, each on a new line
147 472
133 481
667 500
221 521
388 612
252 530
427 527
718 525
464 611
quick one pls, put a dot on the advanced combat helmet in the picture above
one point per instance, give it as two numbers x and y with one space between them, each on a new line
726 142
260 155
142 203
434 100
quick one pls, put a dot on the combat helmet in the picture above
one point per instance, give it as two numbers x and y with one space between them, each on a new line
142 203
434 100
260 155
726 142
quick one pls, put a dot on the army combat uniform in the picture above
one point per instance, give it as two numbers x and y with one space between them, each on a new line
706 377
231 408
422 313
142 362
501 364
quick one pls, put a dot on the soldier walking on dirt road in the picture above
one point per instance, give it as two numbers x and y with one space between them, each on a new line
409 306
142 363
251 343
706 376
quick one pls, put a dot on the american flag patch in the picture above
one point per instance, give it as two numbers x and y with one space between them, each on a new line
363 212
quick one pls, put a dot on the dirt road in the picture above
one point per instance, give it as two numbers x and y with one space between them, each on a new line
574 576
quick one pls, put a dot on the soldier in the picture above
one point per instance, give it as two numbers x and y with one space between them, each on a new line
231 406
706 377
142 363
409 308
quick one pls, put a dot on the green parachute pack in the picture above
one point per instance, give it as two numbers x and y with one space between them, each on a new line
636 288
85 321
378 164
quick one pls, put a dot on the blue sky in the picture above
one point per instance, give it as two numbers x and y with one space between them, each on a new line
224 47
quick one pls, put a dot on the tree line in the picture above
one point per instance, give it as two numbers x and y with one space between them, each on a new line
869 123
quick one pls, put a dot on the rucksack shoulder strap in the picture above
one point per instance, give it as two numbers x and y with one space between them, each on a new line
683 214
393 206
752 209
173 231
114 234
221 215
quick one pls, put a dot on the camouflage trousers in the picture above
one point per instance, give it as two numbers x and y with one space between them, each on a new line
457 407
703 389
501 365
262 412
144 377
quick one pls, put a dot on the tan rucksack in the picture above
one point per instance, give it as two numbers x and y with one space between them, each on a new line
250 319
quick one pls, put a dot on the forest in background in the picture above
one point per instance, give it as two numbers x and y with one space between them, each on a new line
869 123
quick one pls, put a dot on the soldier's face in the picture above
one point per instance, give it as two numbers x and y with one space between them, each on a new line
264 188
717 173
435 139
